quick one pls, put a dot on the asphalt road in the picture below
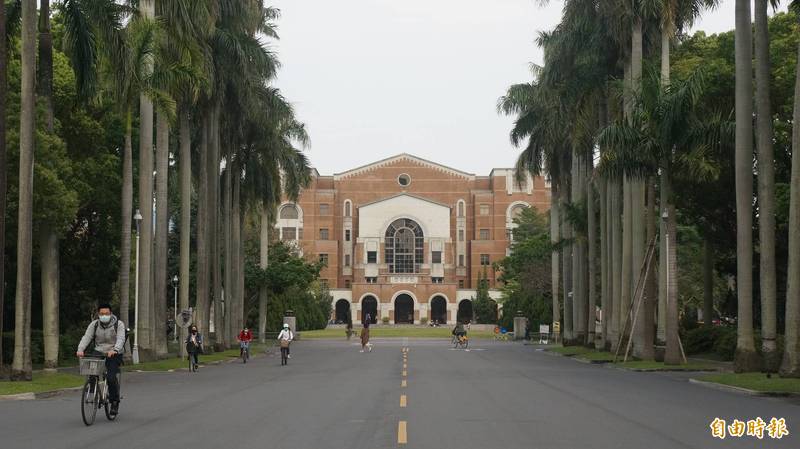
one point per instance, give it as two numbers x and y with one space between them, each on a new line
498 395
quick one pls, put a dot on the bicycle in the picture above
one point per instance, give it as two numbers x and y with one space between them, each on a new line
461 340
95 391
284 352
245 351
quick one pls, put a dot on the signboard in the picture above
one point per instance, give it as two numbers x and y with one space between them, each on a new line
556 327
544 333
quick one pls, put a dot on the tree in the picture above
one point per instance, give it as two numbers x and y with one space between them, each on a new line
485 308
21 368
747 358
3 182
790 365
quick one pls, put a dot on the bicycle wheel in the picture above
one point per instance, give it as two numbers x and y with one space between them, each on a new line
90 401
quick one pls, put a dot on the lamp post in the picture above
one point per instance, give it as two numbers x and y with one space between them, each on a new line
175 307
138 218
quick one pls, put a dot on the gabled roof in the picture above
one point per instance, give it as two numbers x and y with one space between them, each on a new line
399 157
422 198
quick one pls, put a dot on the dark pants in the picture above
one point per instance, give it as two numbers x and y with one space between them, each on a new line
112 369
193 357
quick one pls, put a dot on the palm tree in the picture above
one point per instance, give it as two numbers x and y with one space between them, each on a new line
3 182
766 187
790 366
21 369
664 132
746 358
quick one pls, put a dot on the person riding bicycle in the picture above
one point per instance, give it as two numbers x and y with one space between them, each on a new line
459 331
194 345
286 335
245 337
105 337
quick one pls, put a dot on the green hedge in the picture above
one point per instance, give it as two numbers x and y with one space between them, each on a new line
68 344
719 340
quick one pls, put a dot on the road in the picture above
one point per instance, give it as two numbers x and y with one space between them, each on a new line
498 395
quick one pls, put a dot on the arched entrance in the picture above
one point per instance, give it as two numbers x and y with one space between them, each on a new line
439 309
465 314
342 311
369 306
404 309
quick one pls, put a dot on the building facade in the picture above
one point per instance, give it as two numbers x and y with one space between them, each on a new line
406 239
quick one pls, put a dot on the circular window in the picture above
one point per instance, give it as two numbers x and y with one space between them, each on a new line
404 180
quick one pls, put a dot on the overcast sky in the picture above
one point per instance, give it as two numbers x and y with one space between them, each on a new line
374 78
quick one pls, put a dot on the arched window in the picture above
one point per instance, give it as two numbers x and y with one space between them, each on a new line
460 208
516 211
289 212
404 246
348 208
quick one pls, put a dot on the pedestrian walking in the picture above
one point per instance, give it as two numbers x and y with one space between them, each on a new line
365 344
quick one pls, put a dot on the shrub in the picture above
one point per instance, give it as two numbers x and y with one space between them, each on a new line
423 320
725 345
385 320
701 340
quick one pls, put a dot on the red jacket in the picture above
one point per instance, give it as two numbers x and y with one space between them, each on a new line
245 336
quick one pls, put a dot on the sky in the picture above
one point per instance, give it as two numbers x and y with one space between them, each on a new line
375 78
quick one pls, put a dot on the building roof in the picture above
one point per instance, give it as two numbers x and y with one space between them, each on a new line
403 156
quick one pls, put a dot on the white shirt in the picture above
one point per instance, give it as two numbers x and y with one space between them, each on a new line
286 335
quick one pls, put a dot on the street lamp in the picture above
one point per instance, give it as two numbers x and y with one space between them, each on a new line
175 307
138 218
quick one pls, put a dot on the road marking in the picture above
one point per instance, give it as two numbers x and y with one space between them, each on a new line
405 373
402 401
404 383
405 365
402 434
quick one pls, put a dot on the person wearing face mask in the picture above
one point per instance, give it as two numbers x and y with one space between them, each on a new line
105 336
194 346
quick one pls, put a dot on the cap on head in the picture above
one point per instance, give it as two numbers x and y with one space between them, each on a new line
285 325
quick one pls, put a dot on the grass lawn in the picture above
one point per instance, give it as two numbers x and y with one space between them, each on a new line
596 356
389 332
42 382
570 350
755 381
660 366
177 363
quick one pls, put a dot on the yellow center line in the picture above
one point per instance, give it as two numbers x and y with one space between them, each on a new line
402 436
404 383
402 400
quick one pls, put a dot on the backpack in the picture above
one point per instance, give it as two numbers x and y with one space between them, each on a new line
93 343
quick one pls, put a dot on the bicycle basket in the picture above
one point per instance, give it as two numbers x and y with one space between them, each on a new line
92 367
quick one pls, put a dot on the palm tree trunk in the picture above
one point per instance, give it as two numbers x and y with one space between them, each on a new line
554 238
48 237
566 261
50 304
592 263
790 366
605 241
236 216
126 220
661 313
186 215
643 331
616 266
21 368
746 358
766 190
3 174
162 229
708 283
578 297
227 229
627 259
202 301
264 264
146 349
213 225
672 352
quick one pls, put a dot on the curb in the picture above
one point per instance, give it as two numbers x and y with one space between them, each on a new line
745 391
40 395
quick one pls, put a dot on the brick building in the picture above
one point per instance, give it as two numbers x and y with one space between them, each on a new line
405 238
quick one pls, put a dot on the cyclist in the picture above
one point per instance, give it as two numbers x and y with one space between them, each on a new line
105 337
286 334
194 345
459 331
245 337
